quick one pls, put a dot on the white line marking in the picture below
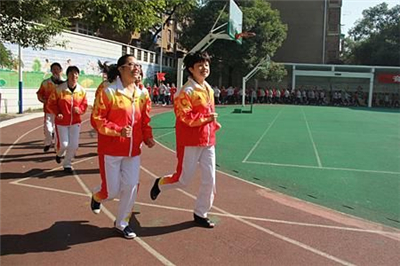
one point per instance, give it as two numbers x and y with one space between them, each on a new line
147 247
12 145
312 139
163 135
262 136
325 168
20 119
110 215
341 228
270 232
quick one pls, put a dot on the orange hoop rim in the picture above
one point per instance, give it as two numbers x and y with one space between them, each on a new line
245 35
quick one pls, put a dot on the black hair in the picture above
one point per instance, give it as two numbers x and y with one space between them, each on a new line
72 68
55 64
191 59
112 70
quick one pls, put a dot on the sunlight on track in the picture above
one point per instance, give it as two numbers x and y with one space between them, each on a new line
220 212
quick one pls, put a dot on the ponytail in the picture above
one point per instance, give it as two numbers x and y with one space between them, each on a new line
112 70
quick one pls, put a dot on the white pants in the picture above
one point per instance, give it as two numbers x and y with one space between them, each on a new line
48 128
187 163
67 142
120 178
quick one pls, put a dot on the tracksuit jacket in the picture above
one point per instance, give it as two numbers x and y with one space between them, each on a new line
63 101
193 105
115 108
44 92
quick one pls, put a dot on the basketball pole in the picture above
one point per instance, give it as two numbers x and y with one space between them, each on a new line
202 46
259 66
209 39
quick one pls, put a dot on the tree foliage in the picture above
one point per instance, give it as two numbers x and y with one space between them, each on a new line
375 39
30 23
34 22
233 59
6 58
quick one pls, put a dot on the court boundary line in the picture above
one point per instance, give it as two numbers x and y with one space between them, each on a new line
323 168
312 139
260 228
238 218
262 136
142 243
275 221
299 244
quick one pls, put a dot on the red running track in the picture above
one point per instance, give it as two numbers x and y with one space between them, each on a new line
46 217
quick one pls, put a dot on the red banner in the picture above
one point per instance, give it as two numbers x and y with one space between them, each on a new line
389 78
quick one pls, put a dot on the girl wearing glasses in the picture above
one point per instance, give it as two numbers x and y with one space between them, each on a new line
121 117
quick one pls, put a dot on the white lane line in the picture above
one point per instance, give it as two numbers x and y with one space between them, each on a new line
262 136
147 247
15 142
110 215
166 134
27 133
312 139
265 230
87 194
20 119
325 168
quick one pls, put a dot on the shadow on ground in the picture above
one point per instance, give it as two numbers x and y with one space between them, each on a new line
60 236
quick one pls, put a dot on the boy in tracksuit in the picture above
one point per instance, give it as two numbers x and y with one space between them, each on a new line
46 88
196 125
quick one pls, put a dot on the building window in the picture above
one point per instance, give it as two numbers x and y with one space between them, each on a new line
151 58
146 56
81 28
124 50
139 54
169 36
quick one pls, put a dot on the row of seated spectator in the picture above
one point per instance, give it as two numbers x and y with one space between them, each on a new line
315 96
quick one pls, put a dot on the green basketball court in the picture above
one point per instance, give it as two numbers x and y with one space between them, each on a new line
346 159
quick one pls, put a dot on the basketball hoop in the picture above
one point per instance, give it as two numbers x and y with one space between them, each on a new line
244 35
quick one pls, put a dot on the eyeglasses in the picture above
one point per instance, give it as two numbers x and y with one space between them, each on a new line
132 65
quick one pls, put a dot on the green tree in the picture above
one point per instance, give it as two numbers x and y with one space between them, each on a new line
30 23
33 23
375 39
6 59
232 59
36 66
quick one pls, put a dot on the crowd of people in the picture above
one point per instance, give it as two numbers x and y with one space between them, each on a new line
305 96
121 118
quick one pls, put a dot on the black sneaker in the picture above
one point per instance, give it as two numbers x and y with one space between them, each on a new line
127 232
68 170
58 159
155 190
46 148
203 222
95 206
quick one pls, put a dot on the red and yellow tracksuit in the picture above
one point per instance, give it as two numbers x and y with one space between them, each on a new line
115 108
63 101
195 141
43 94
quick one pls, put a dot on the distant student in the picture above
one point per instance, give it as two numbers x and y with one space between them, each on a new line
68 102
46 88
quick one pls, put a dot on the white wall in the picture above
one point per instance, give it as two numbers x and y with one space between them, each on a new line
9 99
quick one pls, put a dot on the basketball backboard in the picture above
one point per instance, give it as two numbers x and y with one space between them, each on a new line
235 21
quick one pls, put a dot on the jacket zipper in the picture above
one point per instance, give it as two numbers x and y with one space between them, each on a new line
72 108
133 122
